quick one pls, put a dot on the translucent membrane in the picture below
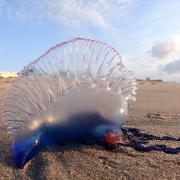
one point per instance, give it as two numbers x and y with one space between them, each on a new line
78 90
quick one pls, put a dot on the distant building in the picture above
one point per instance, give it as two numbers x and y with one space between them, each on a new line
157 80
13 74
1 74
147 79
139 79
8 74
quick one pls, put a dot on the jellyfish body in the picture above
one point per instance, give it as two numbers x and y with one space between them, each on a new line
79 90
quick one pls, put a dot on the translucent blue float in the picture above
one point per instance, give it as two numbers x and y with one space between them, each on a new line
78 90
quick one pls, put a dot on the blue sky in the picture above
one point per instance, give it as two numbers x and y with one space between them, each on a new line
145 33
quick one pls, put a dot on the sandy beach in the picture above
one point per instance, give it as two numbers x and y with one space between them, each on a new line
157 111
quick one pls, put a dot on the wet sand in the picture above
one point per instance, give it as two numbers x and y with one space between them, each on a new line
157 111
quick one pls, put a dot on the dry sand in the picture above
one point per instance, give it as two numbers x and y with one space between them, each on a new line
157 111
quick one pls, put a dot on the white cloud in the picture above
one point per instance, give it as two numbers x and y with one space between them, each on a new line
173 67
166 49
71 13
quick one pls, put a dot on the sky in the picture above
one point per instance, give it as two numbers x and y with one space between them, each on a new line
145 33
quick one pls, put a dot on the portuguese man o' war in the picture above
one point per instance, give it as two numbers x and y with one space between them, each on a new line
78 90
